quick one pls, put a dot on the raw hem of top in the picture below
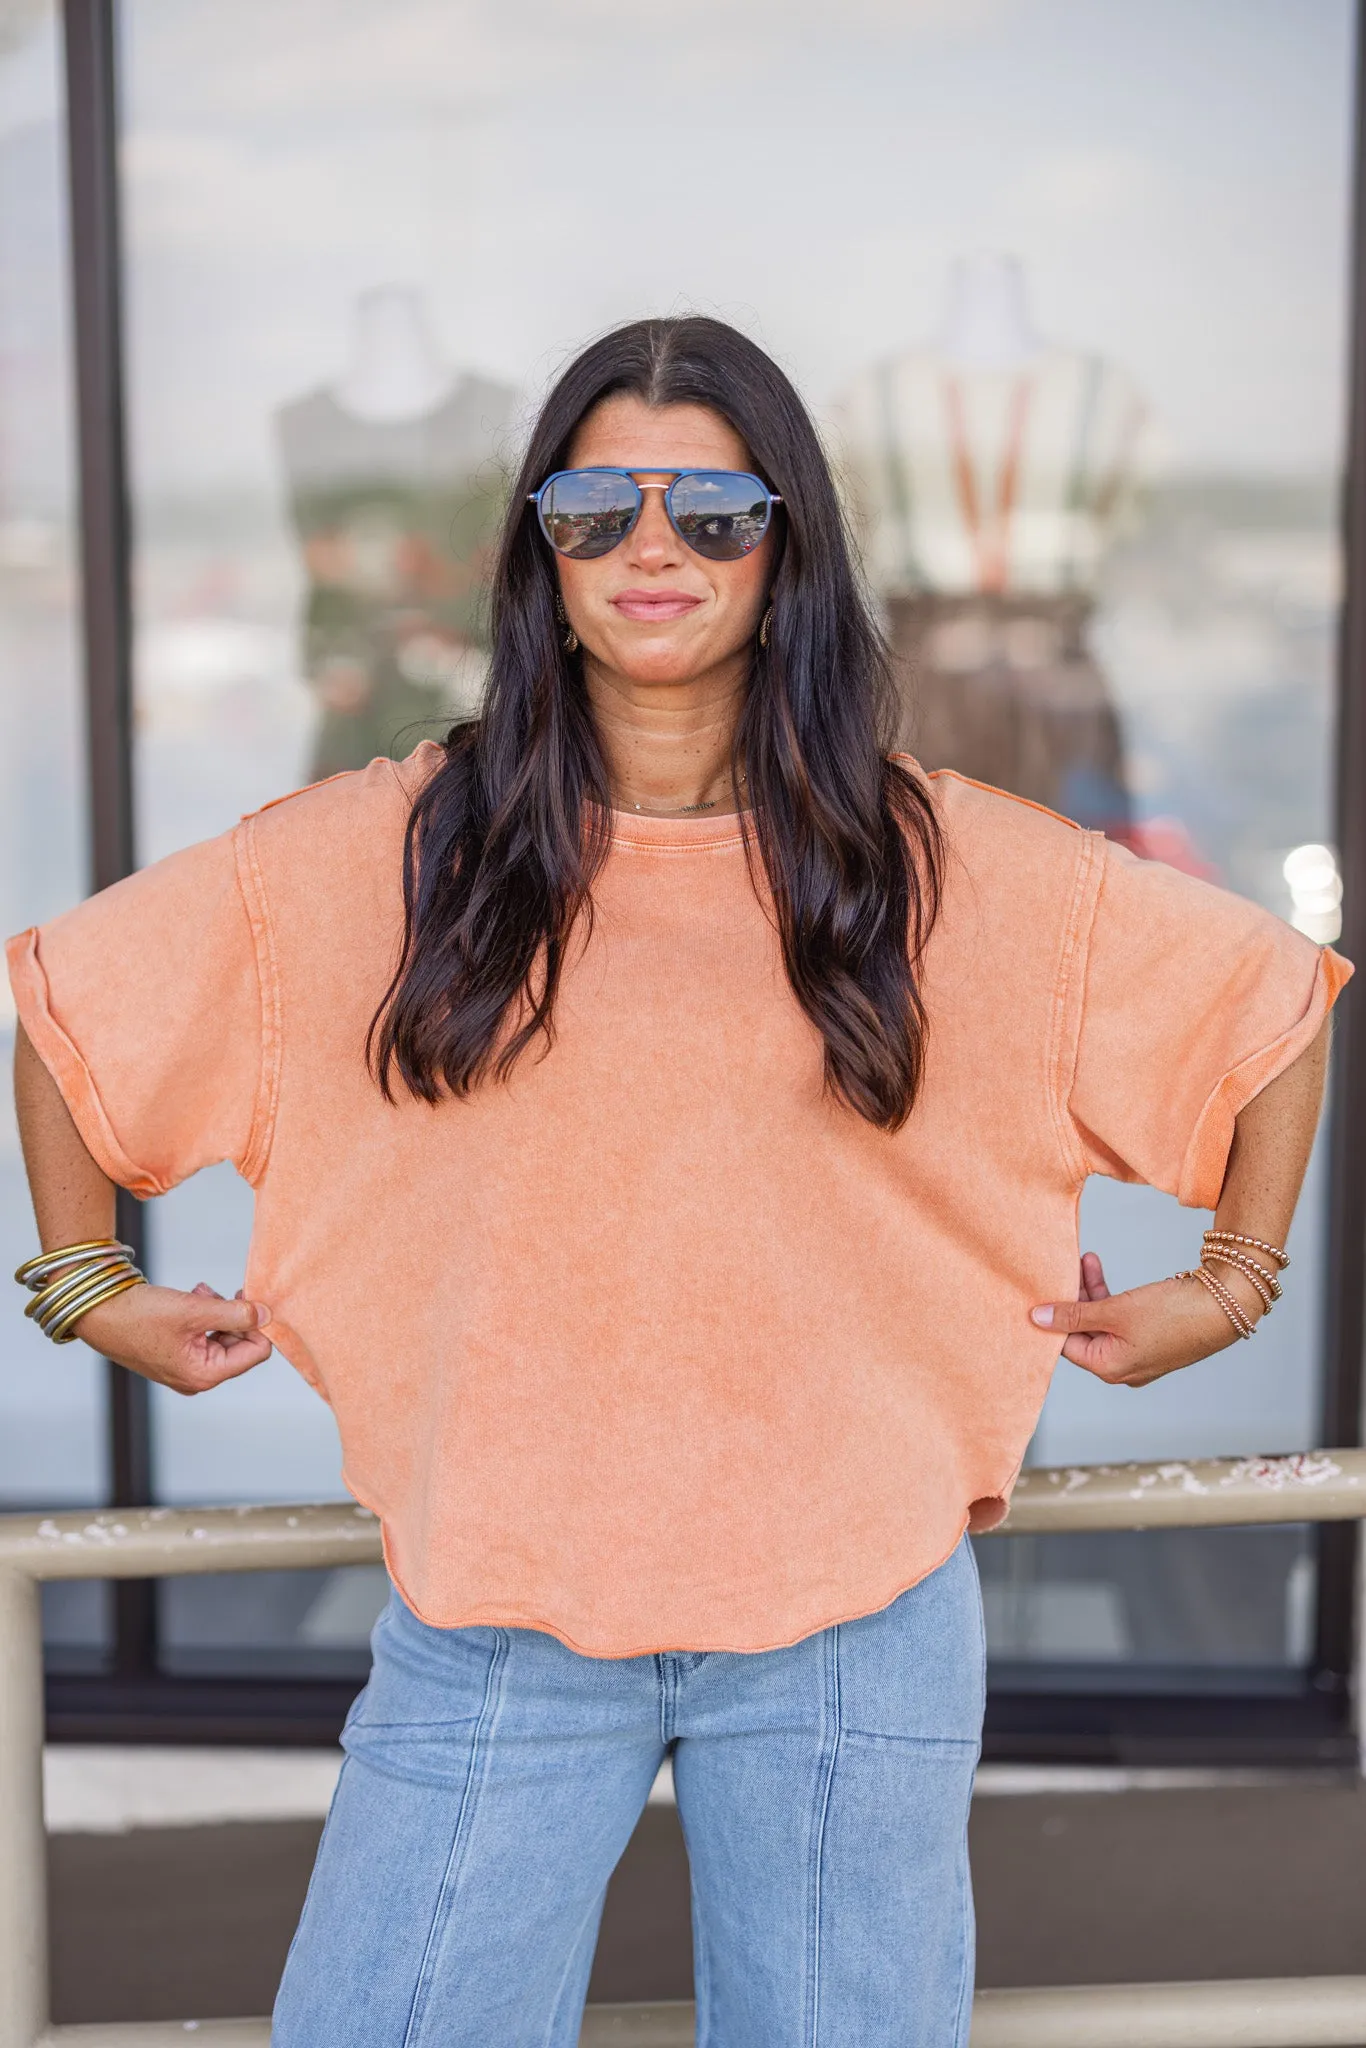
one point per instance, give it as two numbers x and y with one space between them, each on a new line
509 1617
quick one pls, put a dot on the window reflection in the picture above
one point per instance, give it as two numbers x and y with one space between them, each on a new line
395 494
990 466
52 1410
1097 480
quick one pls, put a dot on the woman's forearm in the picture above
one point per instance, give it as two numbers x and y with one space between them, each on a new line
1272 1140
1134 1338
190 1341
73 1199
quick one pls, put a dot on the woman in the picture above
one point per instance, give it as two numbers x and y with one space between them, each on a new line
667 1116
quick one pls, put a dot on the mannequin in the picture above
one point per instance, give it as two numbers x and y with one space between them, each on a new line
395 488
988 468
395 370
987 323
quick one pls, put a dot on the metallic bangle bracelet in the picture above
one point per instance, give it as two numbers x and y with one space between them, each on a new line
94 1283
43 1265
64 1332
50 1299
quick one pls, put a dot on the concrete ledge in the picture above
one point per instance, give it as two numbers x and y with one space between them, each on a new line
160 2034
1305 1486
1276 2012
135 1543
138 1543
637 2026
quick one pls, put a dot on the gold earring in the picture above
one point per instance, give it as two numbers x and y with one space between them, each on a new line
571 638
765 625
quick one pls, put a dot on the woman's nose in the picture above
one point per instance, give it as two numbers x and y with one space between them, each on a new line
653 540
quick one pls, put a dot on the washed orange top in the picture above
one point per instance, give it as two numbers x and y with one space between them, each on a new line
656 1345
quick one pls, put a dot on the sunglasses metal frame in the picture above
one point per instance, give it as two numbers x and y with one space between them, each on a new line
674 476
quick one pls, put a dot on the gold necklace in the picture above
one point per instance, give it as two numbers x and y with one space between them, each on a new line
684 810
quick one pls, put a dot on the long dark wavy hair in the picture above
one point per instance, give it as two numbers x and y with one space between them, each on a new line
505 840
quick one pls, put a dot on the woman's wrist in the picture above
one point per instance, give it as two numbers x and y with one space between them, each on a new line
1241 1272
1248 1298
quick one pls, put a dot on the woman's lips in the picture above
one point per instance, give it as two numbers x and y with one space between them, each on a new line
655 605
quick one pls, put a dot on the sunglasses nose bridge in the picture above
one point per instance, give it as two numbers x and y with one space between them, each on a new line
653 527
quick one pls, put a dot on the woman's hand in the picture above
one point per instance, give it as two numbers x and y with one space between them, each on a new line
188 1342
1133 1338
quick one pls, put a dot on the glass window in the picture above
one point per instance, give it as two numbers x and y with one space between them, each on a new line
1065 285
52 1406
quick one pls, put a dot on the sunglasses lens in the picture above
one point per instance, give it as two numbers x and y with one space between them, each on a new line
588 512
719 513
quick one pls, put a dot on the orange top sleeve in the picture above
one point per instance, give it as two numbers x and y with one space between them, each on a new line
145 1004
1194 1000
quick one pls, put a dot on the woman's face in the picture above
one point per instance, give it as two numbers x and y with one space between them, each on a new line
652 611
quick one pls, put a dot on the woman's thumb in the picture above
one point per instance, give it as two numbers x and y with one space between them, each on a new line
1074 1316
237 1315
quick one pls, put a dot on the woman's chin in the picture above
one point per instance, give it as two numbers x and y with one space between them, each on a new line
659 661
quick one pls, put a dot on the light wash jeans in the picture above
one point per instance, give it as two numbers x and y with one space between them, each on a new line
492 1780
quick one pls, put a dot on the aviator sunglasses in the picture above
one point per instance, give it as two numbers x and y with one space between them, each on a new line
721 514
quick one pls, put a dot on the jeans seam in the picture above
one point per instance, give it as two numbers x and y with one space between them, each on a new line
967 1905
966 1946
818 1844
701 1976
459 1841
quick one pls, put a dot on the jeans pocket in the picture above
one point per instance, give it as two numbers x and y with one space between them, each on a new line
916 1671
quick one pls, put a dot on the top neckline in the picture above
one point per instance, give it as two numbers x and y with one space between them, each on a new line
644 828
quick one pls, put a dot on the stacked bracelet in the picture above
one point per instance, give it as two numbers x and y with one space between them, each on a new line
1255 1244
1261 1277
69 1282
1230 1248
1234 1310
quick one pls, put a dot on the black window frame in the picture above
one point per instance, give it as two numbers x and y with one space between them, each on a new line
133 1699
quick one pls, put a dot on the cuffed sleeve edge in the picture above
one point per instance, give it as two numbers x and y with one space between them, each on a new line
68 1069
1206 1160
256 906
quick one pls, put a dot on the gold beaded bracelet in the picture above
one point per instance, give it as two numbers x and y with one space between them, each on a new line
1256 1244
1261 1277
68 1283
1232 1249
1236 1314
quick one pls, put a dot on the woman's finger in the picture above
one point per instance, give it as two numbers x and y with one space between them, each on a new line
1093 1287
238 1354
1098 1351
211 1356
